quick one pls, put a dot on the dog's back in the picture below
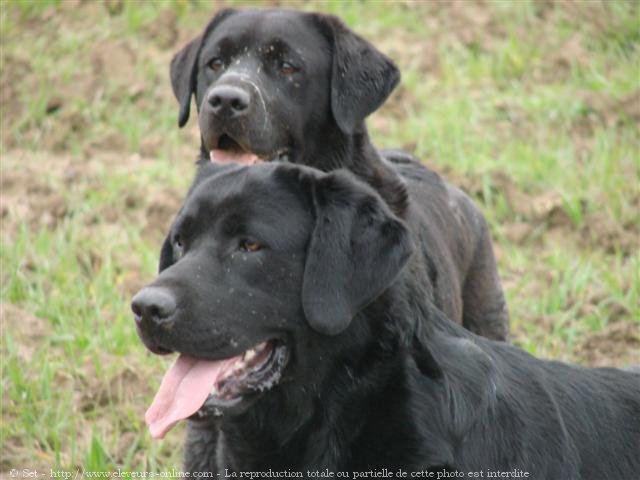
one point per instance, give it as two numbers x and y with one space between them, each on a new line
599 412
453 237
552 419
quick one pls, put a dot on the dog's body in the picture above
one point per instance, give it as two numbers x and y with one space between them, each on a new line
296 87
356 370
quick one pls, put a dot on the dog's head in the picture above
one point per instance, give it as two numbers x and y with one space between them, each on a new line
263 268
278 84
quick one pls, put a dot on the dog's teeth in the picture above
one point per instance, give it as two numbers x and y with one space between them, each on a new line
239 366
249 354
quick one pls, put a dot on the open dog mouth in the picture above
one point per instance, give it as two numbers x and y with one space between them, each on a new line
228 150
195 387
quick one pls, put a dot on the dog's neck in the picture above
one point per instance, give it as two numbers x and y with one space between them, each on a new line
356 153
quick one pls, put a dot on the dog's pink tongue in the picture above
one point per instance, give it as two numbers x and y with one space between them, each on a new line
228 156
183 391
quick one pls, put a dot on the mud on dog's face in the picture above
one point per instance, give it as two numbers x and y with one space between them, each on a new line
269 83
262 268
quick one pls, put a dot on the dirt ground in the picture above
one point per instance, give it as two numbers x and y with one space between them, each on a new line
39 201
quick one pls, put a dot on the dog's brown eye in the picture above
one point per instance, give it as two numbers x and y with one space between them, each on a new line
178 246
287 69
216 64
249 246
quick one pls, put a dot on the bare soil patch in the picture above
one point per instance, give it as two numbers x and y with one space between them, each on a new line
45 188
618 345
27 331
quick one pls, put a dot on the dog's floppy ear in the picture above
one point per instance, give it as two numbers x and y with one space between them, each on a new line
184 68
356 251
183 72
361 78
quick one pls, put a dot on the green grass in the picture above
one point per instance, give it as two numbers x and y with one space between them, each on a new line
520 104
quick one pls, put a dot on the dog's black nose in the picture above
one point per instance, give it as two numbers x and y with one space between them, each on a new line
153 305
227 100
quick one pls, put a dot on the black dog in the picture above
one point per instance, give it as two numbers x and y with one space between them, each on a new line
296 87
306 344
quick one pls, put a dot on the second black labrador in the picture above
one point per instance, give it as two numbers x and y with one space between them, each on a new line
307 343
297 87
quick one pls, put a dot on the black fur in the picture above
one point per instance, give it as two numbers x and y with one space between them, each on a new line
396 385
317 114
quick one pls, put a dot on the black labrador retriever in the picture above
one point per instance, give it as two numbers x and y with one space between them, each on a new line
307 343
296 87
